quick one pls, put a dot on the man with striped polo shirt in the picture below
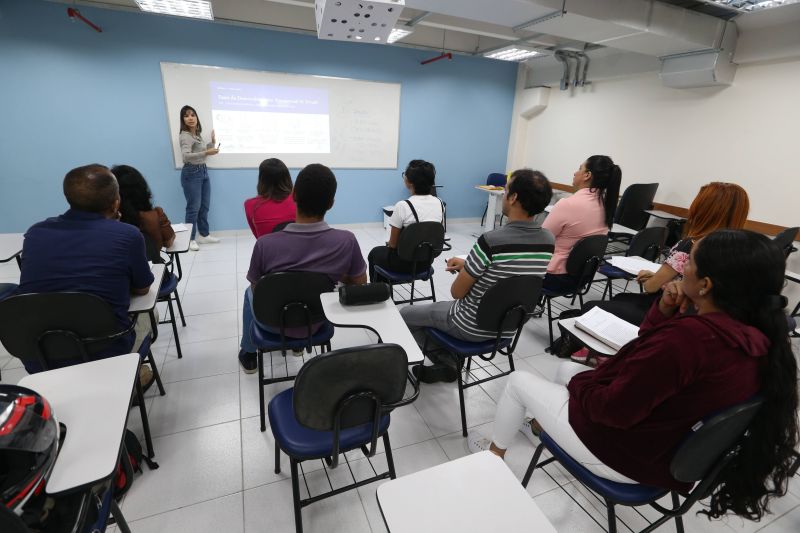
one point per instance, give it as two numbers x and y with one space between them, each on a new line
521 247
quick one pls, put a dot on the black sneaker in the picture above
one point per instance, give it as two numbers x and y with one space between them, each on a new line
249 361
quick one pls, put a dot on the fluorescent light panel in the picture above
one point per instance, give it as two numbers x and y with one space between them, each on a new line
199 9
398 34
511 53
755 5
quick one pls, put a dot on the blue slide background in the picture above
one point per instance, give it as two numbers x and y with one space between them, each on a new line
72 96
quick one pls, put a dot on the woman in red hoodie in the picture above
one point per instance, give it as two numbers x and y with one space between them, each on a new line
625 420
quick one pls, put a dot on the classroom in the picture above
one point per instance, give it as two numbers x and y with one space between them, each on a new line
519 265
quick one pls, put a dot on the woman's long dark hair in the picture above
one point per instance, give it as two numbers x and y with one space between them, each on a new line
134 193
606 179
274 180
184 127
746 270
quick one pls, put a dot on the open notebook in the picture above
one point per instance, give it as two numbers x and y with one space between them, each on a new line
633 264
607 328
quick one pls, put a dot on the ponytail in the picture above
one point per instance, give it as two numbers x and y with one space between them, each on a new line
762 468
606 179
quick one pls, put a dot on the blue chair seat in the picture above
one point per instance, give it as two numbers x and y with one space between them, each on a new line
403 276
268 341
624 493
613 272
301 442
7 289
463 347
168 285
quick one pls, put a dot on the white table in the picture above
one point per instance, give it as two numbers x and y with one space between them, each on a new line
383 317
10 246
92 400
663 214
491 208
619 228
180 246
141 303
473 494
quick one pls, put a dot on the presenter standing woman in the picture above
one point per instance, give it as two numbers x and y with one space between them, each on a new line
194 175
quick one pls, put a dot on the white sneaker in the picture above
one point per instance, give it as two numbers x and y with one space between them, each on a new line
478 444
207 239
193 246
526 430
298 353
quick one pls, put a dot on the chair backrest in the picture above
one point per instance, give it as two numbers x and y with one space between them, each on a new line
421 242
327 381
507 304
785 239
50 327
496 179
711 439
290 299
584 259
636 198
647 243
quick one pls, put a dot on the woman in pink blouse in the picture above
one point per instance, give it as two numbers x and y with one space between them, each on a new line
274 203
590 211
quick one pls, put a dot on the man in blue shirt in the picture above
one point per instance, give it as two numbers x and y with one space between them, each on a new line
88 250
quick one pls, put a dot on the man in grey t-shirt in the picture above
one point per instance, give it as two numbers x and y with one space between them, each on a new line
521 247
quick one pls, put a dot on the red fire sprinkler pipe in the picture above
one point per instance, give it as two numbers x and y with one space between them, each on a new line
448 55
74 13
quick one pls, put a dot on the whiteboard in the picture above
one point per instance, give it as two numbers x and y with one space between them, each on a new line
300 119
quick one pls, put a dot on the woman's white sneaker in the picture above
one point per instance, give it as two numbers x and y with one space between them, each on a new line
207 239
478 444
193 246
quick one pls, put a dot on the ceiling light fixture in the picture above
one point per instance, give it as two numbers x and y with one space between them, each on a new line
398 33
199 9
511 53
753 5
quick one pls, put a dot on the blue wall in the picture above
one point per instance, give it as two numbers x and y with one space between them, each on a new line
71 96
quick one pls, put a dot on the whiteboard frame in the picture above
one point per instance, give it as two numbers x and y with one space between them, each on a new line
293 74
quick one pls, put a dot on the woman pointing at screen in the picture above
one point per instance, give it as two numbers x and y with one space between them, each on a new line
194 175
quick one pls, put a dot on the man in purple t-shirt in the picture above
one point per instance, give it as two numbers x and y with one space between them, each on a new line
307 245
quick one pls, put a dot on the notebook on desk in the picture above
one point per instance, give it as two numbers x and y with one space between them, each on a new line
177 228
633 264
607 328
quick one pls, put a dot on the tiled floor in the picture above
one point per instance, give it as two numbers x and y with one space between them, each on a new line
216 469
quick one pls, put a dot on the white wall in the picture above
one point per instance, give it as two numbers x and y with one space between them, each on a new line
682 138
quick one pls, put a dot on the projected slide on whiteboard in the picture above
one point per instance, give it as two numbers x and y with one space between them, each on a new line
300 119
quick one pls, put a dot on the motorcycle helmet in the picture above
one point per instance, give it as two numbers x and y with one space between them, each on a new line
29 440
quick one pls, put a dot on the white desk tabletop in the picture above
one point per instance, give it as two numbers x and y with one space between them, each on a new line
792 276
181 243
92 400
619 228
496 192
384 317
588 340
473 494
663 214
10 245
145 302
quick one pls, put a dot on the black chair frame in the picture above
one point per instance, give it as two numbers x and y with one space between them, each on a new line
80 346
446 246
649 250
379 409
172 260
423 253
707 480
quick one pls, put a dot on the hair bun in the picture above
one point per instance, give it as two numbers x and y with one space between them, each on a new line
777 302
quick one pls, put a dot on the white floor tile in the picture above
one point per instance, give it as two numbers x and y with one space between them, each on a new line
209 327
196 403
203 303
213 283
201 359
438 404
222 514
211 268
195 466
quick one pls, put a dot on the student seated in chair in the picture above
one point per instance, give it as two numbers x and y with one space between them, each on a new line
274 203
87 249
307 245
590 211
521 247
419 178
625 420
136 207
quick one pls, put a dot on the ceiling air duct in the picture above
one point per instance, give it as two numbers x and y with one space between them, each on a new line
704 68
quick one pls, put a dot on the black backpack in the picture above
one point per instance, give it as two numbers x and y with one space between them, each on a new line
129 464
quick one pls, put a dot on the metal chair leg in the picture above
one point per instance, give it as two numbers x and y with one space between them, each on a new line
550 321
411 299
387 447
180 307
298 517
612 517
433 290
261 409
156 373
678 519
461 402
277 458
174 328
148 439
122 525
532 466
